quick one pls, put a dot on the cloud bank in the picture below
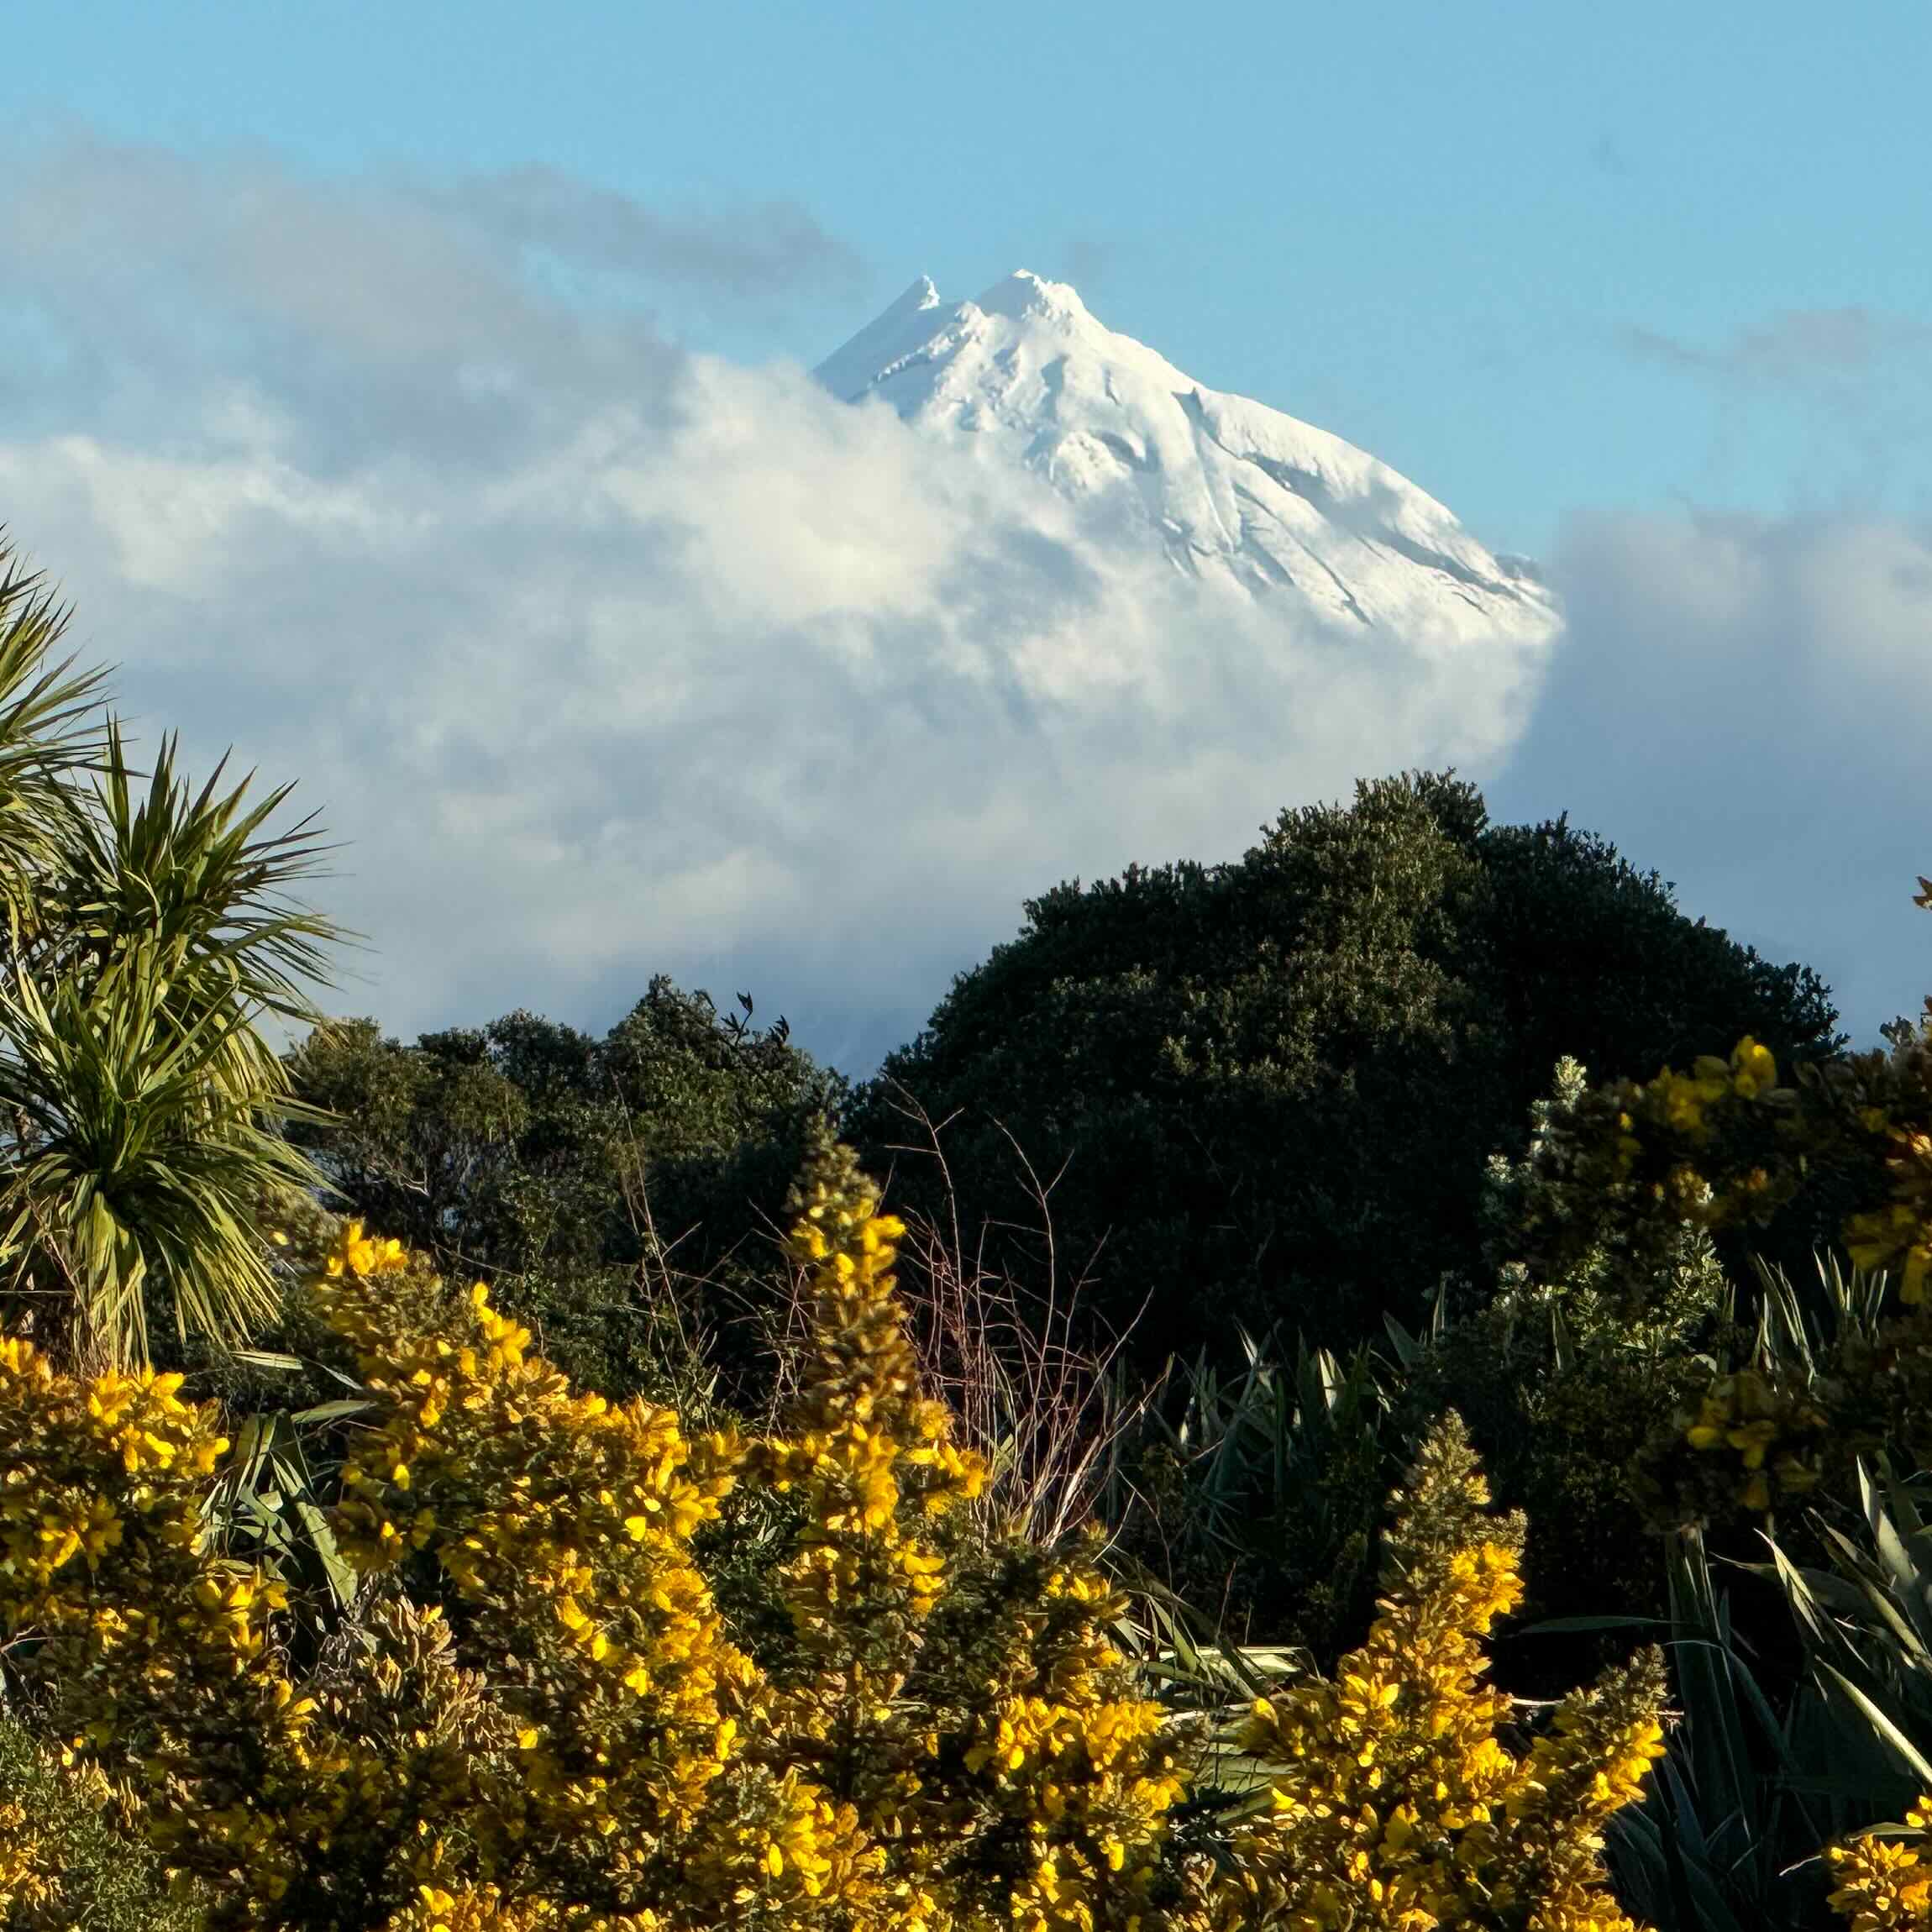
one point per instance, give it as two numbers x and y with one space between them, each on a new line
1745 702
601 658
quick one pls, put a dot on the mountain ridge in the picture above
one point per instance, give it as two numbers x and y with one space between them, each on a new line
1229 489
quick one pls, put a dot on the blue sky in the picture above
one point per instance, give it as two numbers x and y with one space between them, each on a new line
1643 292
1438 231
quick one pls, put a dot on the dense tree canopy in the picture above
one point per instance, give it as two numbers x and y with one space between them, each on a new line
1272 1086
591 1177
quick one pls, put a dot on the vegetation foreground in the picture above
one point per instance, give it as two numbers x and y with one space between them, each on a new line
533 1710
876 1590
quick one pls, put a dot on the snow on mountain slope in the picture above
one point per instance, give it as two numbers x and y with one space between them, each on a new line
1230 489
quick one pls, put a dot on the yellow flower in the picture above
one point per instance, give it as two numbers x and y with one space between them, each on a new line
1400 1751
1754 1070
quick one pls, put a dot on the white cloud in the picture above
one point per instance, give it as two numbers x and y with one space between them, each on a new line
603 659
1744 702
606 660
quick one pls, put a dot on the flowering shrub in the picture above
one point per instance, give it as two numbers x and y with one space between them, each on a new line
140 1646
1900 1233
1768 1433
536 1716
1728 1144
1621 1174
536 1713
1395 1802
66 1855
555 1529
1884 1884
1617 1171
960 1693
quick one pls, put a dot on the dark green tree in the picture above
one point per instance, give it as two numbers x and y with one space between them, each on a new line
1266 1091
620 1190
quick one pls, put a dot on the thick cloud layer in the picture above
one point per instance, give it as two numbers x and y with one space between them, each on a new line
603 659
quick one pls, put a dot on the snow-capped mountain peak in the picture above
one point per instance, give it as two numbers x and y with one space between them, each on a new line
1229 489
1025 293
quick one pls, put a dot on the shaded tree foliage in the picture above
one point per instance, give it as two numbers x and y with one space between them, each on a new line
620 1190
1269 1089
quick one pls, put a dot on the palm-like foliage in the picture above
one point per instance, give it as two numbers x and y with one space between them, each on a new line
191 888
46 734
1272 1429
1866 1626
139 1167
1730 1835
151 930
1254 1496
1797 1332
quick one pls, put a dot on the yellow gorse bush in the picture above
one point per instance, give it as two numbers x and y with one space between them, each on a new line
66 1857
1771 1432
1395 1802
27 1880
1885 1884
1898 1236
536 1716
140 1645
964 1700
1685 1101
1633 1165
560 1524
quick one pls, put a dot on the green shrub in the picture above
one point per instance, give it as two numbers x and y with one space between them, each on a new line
71 1853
